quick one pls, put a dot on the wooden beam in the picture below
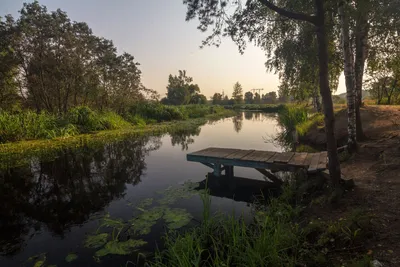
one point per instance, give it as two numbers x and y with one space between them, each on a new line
208 164
270 176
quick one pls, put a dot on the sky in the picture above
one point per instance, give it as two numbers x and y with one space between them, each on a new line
156 34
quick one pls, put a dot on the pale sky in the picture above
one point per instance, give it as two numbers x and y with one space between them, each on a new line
156 34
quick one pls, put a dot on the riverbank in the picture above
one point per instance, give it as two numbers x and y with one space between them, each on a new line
375 169
18 153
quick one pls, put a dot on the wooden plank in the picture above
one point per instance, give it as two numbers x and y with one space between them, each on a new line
202 152
298 159
314 162
273 157
258 155
323 159
284 157
217 152
263 156
306 163
239 154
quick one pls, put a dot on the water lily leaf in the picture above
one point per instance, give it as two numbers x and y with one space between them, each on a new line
71 257
177 218
143 223
96 241
171 195
145 203
120 248
39 263
114 223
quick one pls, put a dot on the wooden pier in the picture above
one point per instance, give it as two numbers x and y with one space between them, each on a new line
266 162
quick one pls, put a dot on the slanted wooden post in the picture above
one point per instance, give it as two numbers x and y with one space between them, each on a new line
217 169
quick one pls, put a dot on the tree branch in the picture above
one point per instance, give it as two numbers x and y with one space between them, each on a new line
289 14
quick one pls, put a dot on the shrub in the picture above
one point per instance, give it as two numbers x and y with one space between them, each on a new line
85 119
111 120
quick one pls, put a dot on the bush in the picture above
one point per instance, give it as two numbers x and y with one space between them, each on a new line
156 111
112 121
85 119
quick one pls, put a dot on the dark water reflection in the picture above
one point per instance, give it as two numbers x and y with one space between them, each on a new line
50 206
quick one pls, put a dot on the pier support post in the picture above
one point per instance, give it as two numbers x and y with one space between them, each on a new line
229 171
217 169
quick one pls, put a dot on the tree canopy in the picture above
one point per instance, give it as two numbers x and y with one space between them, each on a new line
55 63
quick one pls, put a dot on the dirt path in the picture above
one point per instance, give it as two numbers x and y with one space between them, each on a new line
376 172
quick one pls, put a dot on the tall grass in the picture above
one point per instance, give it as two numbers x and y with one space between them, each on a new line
272 240
29 125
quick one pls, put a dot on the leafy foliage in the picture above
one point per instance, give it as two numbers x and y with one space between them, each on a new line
96 241
61 64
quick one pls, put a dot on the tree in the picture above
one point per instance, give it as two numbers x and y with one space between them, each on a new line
265 14
257 98
248 97
198 99
349 77
237 94
181 90
217 99
56 64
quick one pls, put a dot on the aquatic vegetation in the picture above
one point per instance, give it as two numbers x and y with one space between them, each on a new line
71 257
113 223
120 248
142 224
171 194
144 204
176 218
96 241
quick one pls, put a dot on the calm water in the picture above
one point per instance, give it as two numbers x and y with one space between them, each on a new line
48 208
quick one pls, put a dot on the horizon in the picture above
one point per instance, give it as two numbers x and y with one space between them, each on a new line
214 69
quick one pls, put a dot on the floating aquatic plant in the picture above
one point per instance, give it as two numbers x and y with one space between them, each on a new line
71 257
120 248
177 218
142 224
96 241
144 204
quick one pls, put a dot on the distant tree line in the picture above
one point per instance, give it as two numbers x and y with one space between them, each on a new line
247 98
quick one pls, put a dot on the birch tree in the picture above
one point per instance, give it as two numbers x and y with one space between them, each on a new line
349 76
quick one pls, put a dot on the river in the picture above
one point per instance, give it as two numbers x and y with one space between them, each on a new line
50 207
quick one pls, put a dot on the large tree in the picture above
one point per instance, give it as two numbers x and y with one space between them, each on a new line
237 94
181 90
255 21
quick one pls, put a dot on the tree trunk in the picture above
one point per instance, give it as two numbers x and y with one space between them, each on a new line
362 28
349 77
334 165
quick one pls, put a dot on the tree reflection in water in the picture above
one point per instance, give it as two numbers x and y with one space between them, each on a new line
184 138
64 192
238 122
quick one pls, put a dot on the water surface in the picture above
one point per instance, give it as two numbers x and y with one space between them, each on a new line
48 208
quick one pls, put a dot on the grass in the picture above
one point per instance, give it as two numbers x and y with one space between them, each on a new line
29 125
278 236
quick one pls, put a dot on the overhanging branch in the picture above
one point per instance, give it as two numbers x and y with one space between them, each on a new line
289 14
